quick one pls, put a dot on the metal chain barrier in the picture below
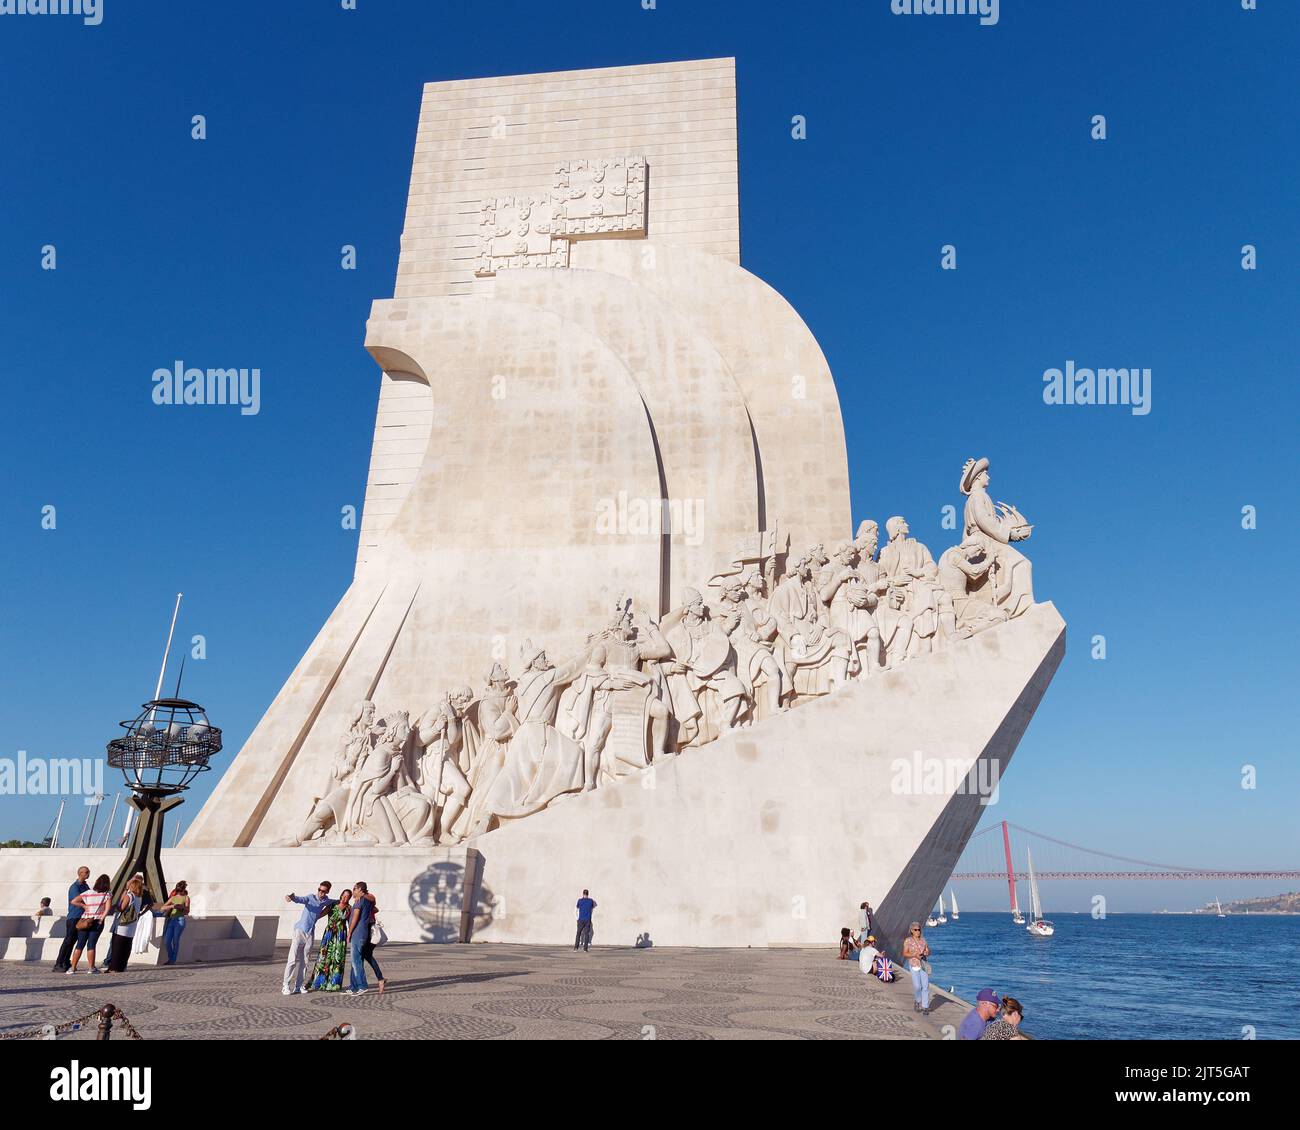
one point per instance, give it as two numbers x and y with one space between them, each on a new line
105 1015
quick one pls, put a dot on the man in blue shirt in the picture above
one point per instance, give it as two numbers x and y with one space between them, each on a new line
304 932
81 886
987 1003
586 905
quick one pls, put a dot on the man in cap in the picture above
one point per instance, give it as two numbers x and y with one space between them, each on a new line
987 1003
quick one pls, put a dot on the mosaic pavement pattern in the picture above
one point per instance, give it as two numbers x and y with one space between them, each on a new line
492 992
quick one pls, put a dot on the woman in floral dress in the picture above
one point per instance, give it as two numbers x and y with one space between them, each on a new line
333 958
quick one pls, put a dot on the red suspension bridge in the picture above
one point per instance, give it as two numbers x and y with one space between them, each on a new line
989 857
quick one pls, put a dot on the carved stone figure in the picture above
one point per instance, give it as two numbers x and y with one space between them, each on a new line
849 602
371 799
584 713
707 695
907 563
328 811
494 719
816 654
541 763
959 568
385 806
893 621
444 734
998 525
639 703
767 685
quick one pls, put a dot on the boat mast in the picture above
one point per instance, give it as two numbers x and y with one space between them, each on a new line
108 828
58 820
1011 872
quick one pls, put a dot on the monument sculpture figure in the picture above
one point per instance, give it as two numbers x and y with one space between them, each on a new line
908 564
997 525
818 654
850 602
706 692
541 762
642 723
959 568
896 628
493 721
766 683
584 714
447 739
385 806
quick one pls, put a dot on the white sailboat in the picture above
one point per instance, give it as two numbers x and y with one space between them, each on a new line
942 916
1218 908
1016 917
955 915
1038 925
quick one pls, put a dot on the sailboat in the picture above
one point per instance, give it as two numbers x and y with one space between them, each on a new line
955 915
942 917
1016 917
1038 925
932 920
1218 908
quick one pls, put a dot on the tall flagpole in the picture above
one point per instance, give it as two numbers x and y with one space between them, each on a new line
167 651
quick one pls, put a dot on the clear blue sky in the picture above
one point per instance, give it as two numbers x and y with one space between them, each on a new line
922 131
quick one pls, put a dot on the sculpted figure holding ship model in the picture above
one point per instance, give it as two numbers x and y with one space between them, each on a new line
997 525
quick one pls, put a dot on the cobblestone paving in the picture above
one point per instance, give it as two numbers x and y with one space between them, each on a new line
490 992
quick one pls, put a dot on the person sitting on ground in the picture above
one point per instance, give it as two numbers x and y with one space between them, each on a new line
867 952
848 947
987 1003
1006 1026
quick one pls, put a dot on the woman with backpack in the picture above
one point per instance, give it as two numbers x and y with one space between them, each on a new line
129 908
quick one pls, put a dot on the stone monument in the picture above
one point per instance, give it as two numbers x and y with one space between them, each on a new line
609 627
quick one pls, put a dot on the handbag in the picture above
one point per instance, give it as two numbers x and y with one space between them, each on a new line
129 915
377 934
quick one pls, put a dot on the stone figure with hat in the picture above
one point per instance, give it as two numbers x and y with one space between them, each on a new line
997 525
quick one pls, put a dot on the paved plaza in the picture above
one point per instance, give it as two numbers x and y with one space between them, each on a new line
486 992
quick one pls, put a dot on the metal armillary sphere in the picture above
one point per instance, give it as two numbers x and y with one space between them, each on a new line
164 748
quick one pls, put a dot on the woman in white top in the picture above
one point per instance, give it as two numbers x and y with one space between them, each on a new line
129 908
94 906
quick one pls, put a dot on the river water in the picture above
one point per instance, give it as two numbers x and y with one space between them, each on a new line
1132 976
